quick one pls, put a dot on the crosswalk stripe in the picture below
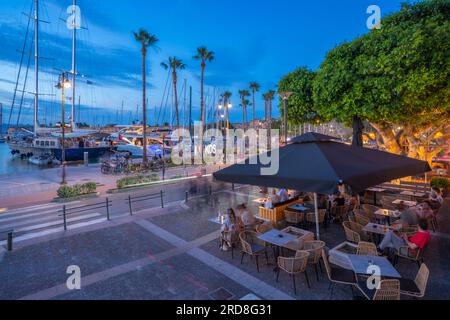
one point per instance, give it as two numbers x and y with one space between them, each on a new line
25 216
57 222
53 230
33 208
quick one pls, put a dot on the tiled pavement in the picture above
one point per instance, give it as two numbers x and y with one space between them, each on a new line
175 256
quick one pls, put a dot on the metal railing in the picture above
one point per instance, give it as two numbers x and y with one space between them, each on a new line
9 238
131 200
89 207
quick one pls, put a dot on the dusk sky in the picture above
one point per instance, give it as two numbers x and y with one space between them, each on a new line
253 40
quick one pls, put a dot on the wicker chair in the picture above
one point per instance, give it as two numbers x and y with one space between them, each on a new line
370 211
338 275
231 239
252 246
263 228
293 217
367 249
410 255
294 266
410 230
311 217
339 213
389 290
351 235
361 219
416 288
315 254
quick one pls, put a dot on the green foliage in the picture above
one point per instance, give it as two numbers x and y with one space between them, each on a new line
397 75
134 180
300 105
441 183
77 190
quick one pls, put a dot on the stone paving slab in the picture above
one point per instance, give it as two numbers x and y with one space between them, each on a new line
178 278
36 267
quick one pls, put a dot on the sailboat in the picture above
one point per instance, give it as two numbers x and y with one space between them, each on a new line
45 143
2 137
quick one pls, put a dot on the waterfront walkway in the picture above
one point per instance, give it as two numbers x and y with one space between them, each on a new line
173 253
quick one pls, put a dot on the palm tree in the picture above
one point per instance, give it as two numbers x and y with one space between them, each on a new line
146 40
175 64
268 97
255 88
204 56
226 101
244 94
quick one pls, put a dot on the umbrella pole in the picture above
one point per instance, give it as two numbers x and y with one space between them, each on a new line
316 207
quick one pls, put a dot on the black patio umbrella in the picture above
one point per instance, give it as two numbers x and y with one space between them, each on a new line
317 163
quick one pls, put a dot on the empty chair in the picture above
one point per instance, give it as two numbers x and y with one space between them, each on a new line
293 217
315 254
370 211
339 213
416 288
350 235
388 289
252 246
294 266
361 219
263 228
338 275
367 249
311 217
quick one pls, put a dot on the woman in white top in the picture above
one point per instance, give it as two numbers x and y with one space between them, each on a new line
229 229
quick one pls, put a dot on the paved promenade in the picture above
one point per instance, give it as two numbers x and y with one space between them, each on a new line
172 253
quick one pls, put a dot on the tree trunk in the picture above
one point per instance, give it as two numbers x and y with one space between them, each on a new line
175 91
358 127
144 109
387 135
253 109
202 108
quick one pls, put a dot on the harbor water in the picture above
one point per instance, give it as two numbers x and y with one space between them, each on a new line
10 164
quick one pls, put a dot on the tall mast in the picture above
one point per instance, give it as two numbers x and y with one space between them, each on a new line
36 62
74 43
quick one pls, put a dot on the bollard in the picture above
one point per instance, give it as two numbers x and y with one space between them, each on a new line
187 196
162 199
107 209
210 190
65 218
86 159
10 241
129 203
232 186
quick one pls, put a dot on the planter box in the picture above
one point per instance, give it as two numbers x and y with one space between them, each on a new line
339 255
84 196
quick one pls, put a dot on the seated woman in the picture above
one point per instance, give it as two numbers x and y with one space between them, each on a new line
436 195
229 229
273 197
394 240
247 219
351 202
283 195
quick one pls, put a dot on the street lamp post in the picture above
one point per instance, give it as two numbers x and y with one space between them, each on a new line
63 83
285 96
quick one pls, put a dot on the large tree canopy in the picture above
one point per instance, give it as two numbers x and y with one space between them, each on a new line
300 107
396 78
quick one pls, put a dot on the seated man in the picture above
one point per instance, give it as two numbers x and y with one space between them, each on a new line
394 240
248 220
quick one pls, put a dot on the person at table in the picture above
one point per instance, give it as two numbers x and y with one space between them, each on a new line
283 194
273 197
339 201
395 240
351 202
408 216
229 229
436 195
424 211
247 218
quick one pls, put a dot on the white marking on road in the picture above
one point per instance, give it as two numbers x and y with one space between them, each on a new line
57 222
33 208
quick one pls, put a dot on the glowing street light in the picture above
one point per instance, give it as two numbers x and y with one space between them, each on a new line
63 83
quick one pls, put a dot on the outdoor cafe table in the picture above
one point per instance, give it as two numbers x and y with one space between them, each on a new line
405 202
413 194
278 239
378 229
388 214
361 264
375 191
